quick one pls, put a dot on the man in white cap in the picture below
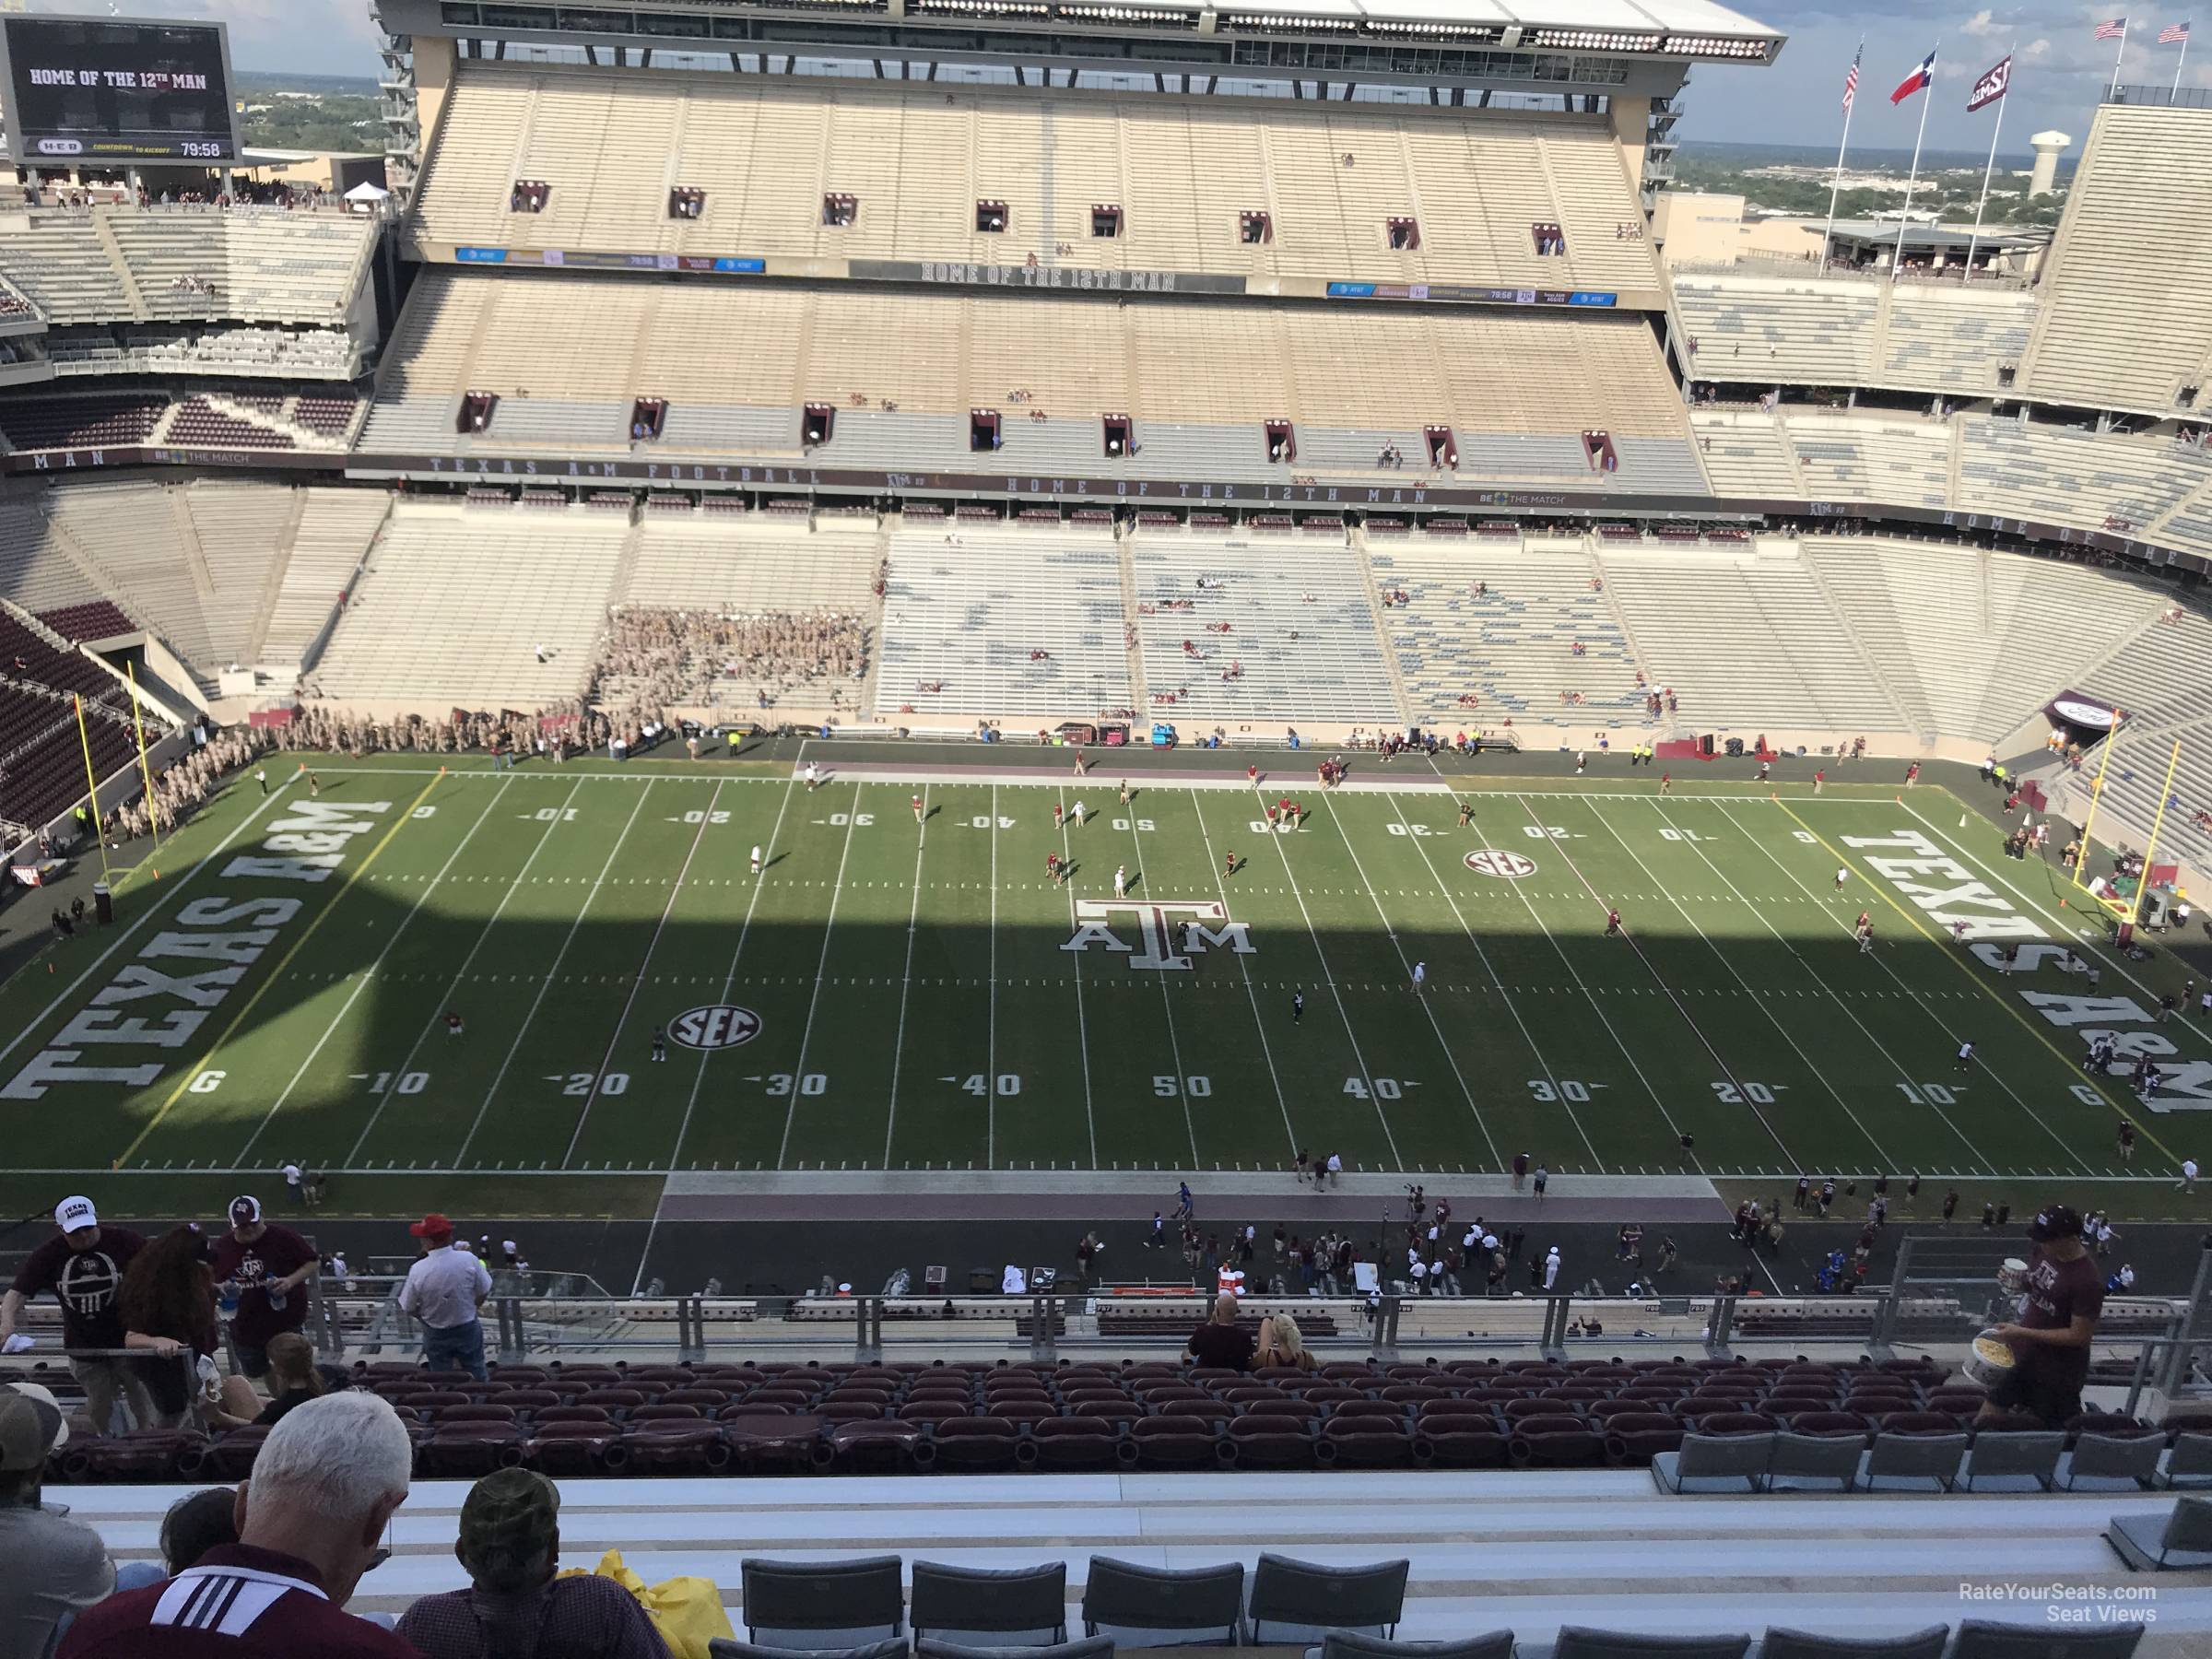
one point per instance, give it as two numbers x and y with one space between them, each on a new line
83 1266
270 1265
56 1568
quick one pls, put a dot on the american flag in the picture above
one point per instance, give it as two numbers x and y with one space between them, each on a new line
2173 33
1850 81
2112 29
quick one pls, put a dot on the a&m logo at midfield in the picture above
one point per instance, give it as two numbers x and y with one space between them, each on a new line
1168 934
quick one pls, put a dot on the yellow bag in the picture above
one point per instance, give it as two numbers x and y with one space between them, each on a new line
686 1611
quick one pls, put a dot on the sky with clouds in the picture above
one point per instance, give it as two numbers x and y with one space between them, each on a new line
2059 69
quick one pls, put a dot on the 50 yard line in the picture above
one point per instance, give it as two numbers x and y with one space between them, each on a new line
906 980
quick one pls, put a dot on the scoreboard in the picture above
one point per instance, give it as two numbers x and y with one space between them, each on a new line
96 89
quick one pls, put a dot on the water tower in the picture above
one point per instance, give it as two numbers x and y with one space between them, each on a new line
2044 177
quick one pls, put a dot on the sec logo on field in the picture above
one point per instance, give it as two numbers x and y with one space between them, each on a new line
1490 861
717 1026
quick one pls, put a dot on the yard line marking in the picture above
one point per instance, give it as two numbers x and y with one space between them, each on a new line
1082 1026
1820 1073
151 911
1427 1007
276 973
354 996
1250 996
2059 929
1664 989
814 1002
638 979
1366 1077
1190 1127
729 980
1597 1008
1514 1008
906 979
1969 966
991 1027
545 984
1919 1004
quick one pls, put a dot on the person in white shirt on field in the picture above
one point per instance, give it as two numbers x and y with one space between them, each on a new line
756 858
1120 881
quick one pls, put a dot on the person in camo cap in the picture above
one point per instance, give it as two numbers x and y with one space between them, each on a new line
514 1608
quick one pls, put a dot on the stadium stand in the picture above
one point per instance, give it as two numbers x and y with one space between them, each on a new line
917 163
1747 636
1898 463
1747 455
1977 639
903 370
2072 476
106 264
1280 630
1765 330
1512 648
1003 622
336 529
474 606
2116 329
1939 338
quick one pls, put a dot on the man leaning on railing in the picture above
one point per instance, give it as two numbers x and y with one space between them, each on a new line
83 1265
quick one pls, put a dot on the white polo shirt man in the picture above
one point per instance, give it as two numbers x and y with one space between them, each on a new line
444 1289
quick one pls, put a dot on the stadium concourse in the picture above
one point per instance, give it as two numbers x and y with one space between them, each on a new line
646 638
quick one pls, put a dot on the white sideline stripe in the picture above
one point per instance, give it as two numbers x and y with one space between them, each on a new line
362 982
430 1024
906 980
1251 996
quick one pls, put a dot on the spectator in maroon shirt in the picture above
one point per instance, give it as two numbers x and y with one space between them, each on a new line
310 1522
515 1608
271 1266
83 1265
2058 1321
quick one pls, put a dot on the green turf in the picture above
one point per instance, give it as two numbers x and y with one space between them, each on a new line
917 1008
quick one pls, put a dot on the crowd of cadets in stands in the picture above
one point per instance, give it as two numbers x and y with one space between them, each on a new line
184 787
650 658
243 192
573 727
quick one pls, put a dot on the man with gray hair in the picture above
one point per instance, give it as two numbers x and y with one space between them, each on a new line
515 1608
311 1522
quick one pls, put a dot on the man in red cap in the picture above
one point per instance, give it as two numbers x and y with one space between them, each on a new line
270 1265
443 1291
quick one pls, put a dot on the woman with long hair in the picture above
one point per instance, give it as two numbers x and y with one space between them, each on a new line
168 1307
1282 1344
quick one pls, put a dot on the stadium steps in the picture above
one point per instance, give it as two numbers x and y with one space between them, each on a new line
105 235
1904 692
1669 726
188 544
273 585
1363 559
1139 697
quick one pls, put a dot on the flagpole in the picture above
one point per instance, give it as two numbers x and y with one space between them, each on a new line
1927 97
2174 96
1989 167
1835 183
2114 92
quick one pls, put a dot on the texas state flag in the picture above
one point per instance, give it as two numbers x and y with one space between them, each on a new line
1918 81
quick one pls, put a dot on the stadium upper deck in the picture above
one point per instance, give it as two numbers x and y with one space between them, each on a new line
724 174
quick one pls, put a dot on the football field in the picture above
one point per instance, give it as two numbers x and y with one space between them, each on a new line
903 996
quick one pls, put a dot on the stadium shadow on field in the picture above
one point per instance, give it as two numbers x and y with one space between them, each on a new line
1144 1035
